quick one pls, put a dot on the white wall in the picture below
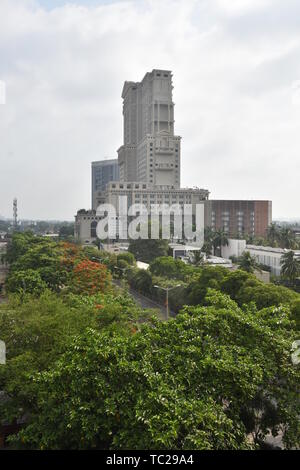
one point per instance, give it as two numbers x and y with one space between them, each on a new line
235 248
268 258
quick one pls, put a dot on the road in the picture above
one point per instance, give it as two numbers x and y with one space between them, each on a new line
146 303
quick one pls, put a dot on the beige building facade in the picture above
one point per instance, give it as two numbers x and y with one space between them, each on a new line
151 151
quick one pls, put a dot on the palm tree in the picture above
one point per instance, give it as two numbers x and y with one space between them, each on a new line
250 239
208 240
207 248
273 233
220 239
208 234
287 238
290 266
248 263
198 258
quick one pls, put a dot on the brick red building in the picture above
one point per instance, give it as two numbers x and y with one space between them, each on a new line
239 217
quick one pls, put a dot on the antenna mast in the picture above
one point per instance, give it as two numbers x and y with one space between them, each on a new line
15 211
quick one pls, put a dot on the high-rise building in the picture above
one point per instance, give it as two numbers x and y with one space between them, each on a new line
103 172
151 151
148 167
239 217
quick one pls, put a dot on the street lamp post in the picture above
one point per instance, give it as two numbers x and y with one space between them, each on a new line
167 289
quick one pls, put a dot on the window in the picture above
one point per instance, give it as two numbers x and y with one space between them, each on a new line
94 229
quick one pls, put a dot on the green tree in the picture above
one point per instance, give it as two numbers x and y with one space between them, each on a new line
290 266
36 331
148 250
248 263
127 257
207 248
19 244
295 312
204 380
66 231
234 281
166 266
208 241
198 259
287 238
220 239
140 280
28 252
273 234
265 295
208 277
28 281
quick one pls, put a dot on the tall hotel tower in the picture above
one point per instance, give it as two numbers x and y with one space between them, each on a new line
150 152
149 167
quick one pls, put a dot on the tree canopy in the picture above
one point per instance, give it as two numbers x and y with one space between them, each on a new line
233 378
87 368
148 250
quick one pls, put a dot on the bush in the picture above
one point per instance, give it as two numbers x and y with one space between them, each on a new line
127 257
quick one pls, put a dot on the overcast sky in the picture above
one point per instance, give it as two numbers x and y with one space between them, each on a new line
236 66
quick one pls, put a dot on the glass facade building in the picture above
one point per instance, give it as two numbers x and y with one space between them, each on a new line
103 172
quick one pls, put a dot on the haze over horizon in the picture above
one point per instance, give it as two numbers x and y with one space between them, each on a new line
236 73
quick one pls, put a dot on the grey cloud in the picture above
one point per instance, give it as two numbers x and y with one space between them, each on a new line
65 69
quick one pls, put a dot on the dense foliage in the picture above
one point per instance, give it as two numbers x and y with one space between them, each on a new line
56 291
240 285
148 250
87 368
204 380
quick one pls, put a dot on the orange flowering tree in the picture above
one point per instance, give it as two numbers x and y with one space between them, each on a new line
90 278
70 253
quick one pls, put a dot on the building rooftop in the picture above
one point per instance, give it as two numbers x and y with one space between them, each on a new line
270 249
107 161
